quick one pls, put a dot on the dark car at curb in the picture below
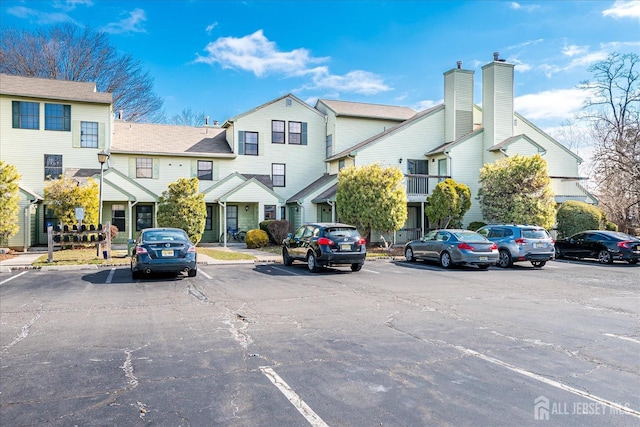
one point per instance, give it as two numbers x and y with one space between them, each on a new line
520 242
325 244
451 247
605 246
163 250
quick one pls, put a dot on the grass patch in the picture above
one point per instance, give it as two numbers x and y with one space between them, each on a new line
82 256
225 255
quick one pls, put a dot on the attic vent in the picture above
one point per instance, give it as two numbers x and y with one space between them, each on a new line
289 102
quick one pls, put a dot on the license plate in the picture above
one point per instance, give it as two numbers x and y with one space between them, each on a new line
167 253
345 247
538 245
483 258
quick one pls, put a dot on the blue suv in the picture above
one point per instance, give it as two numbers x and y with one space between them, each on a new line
520 243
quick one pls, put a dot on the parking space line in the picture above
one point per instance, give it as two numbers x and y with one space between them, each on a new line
622 338
110 276
370 271
205 274
293 397
287 271
616 406
12 277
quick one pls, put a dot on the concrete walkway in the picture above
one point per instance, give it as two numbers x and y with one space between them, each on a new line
25 260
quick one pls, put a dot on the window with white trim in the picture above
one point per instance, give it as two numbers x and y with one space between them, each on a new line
278 174
52 166
89 134
251 143
277 131
295 133
205 170
144 167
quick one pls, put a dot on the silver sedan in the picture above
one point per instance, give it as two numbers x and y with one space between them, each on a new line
453 247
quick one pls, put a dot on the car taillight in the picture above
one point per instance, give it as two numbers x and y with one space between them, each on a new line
465 246
361 242
627 244
141 250
493 247
325 242
521 241
192 249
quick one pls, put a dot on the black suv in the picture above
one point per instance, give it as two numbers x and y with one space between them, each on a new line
520 243
324 244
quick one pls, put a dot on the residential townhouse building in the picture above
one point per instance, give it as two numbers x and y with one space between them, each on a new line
49 128
281 160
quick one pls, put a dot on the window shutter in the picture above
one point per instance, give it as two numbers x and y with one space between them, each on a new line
75 134
304 133
241 142
194 168
101 135
67 118
132 167
156 168
15 108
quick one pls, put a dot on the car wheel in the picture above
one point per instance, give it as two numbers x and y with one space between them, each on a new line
538 264
286 259
356 267
408 253
484 266
445 260
192 273
505 259
633 261
604 257
312 265
559 253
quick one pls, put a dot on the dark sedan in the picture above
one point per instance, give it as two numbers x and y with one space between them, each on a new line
453 247
325 244
163 250
605 246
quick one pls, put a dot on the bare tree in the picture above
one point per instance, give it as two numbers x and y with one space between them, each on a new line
188 117
67 52
613 114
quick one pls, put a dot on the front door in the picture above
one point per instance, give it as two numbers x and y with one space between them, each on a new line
232 217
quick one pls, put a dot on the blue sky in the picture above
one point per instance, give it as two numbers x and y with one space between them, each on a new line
223 58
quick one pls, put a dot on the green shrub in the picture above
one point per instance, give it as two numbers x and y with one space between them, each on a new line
574 216
256 238
264 226
475 225
611 226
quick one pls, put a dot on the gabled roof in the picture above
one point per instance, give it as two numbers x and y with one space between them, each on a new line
443 148
580 160
129 181
264 179
386 132
309 189
151 138
228 122
228 195
31 195
33 87
499 146
373 111
326 195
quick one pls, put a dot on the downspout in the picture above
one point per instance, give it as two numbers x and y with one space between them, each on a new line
223 222
446 154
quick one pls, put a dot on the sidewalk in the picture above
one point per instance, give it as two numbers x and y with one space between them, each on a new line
25 260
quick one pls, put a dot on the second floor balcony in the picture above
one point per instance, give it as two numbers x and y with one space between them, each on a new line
421 185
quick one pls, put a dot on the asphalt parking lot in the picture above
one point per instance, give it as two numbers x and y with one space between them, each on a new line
396 344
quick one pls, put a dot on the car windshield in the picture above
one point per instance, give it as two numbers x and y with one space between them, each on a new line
535 233
341 232
469 236
164 236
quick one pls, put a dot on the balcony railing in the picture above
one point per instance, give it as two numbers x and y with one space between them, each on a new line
420 184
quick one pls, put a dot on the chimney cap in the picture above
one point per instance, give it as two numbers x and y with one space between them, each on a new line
496 55
459 63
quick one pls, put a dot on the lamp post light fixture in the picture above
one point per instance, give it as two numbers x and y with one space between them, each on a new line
103 156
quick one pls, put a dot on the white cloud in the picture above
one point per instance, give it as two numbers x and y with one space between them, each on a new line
39 17
623 9
517 6
573 50
68 5
210 27
133 23
552 104
256 54
426 104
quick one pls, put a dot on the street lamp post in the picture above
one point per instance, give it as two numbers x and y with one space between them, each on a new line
103 156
